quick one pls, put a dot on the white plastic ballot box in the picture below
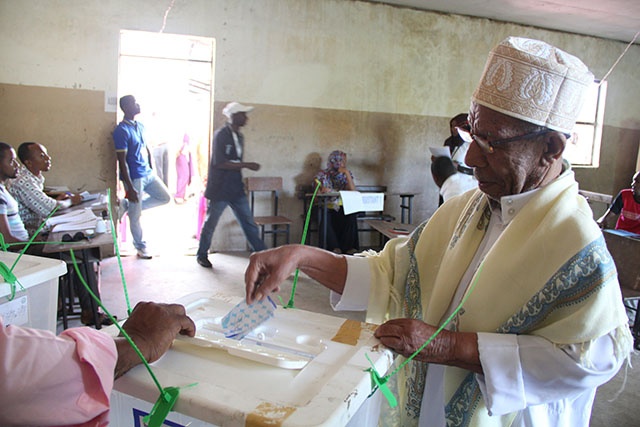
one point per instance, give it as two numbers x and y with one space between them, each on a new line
296 369
35 301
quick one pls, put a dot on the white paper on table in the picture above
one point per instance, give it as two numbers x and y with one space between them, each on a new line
81 219
440 151
355 201
89 224
86 196
75 215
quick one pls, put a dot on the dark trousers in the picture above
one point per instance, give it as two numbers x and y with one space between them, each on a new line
342 231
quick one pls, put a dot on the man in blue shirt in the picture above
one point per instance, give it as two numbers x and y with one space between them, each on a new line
134 159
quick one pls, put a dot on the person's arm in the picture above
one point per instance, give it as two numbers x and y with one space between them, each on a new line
611 213
28 194
5 230
406 336
69 199
130 192
350 186
524 370
268 269
231 165
74 372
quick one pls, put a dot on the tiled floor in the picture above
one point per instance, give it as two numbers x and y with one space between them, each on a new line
174 273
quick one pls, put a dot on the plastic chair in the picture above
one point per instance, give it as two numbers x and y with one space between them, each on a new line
277 224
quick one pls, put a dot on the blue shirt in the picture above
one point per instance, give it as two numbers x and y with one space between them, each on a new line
128 137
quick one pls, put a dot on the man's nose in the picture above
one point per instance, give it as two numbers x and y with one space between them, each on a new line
475 157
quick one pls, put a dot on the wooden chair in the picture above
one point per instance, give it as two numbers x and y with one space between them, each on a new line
277 224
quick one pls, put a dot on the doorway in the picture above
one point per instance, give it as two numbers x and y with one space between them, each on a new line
172 78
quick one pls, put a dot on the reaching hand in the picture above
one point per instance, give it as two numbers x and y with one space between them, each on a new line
267 270
253 166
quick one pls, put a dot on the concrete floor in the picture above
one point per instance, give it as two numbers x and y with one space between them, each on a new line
174 273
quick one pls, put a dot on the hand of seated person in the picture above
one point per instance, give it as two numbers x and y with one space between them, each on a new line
152 327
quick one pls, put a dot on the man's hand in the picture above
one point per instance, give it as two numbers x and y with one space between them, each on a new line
132 196
253 166
267 270
76 199
152 327
406 336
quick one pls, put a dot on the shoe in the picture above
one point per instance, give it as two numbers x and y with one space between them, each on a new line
144 254
204 261
86 317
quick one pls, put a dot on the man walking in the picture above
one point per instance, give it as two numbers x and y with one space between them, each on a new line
136 173
224 184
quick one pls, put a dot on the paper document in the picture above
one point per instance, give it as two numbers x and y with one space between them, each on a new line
86 196
76 220
440 151
76 226
355 201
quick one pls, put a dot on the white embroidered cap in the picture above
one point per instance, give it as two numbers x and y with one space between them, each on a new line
535 82
235 107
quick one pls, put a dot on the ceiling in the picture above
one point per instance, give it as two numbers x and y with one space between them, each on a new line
609 19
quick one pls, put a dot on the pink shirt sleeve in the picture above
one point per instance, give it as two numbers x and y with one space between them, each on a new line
55 380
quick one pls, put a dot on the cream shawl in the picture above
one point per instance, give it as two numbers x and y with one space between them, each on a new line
548 274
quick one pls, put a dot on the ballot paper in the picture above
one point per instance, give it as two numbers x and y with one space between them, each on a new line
244 318
77 220
355 201
440 151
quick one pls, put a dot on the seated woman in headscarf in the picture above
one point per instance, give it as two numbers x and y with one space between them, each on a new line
342 230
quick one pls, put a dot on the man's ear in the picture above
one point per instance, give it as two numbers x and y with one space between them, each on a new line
555 143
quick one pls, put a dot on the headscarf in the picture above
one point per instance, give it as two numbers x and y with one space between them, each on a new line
332 179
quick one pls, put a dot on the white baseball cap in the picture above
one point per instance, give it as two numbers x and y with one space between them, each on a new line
235 107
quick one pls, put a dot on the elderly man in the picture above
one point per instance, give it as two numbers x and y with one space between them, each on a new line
542 323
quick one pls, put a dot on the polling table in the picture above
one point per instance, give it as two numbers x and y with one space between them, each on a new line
296 369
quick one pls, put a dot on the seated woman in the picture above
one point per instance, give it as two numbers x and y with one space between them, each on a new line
342 230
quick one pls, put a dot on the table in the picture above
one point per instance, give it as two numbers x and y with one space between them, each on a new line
84 246
406 205
390 229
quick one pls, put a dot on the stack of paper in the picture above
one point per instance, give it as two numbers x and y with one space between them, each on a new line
77 220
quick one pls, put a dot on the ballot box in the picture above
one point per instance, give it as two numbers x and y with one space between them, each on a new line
33 299
296 369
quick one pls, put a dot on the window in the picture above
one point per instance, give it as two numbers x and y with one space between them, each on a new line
583 148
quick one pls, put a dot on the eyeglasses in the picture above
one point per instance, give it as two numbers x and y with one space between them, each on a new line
488 146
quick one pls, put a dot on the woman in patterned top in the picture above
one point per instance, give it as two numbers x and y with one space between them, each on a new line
342 230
